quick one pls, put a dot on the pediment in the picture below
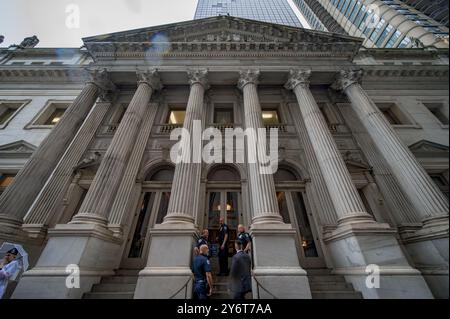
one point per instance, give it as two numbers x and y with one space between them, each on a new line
18 147
426 148
221 33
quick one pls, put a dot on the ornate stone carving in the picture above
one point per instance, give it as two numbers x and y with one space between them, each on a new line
249 76
29 42
150 77
198 76
100 78
345 78
298 77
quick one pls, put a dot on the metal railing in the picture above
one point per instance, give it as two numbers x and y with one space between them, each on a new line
259 285
183 287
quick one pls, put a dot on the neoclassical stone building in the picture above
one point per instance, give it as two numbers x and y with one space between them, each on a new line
87 178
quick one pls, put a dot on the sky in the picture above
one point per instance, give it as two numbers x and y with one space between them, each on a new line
63 23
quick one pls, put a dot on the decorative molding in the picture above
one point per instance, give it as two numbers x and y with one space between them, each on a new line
198 76
426 148
247 77
345 78
298 77
151 78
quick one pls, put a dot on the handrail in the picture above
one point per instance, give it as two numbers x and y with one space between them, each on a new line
259 285
184 286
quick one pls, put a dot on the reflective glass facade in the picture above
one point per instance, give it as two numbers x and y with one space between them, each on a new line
274 11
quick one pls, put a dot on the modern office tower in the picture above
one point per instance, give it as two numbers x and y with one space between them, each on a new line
274 11
382 23
435 9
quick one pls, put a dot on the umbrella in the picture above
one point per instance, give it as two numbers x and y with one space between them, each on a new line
22 256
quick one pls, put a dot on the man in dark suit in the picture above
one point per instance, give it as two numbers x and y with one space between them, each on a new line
240 273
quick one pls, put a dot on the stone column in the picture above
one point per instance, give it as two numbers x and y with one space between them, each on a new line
277 272
262 191
44 208
429 202
414 180
168 271
19 196
347 202
98 201
187 175
358 241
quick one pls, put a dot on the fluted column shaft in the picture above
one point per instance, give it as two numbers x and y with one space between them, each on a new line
98 201
412 177
343 192
262 186
43 209
19 196
186 179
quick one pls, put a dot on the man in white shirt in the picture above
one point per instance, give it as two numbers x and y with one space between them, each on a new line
9 268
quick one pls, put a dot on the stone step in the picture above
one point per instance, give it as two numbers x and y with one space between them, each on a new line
318 271
119 280
108 295
330 278
113 287
336 295
331 286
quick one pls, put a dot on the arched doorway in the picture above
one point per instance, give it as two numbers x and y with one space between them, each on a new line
151 210
295 210
223 199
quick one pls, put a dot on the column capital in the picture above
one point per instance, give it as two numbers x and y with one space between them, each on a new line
247 77
100 78
199 76
345 78
149 77
298 77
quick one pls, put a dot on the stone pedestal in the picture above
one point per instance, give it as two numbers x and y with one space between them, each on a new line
277 272
91 247
355 247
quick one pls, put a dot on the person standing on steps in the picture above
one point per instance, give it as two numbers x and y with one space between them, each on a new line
201 268
244 238
223 248
240 273
203 240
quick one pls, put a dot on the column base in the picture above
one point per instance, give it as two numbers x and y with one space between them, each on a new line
353 247
89 246
88 218
277 272
428 247
10 226
168 272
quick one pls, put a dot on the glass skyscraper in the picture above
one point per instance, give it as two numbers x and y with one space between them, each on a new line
382 23
274 11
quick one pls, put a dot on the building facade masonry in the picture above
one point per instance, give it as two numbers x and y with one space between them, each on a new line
358 205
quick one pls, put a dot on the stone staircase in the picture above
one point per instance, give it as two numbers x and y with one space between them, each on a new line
119 286
220 288
325 285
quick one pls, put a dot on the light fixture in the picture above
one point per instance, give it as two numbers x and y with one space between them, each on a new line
55 120
267 116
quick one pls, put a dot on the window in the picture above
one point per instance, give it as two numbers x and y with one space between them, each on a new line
270 117
438 110
5 181
176 117
393 114
8 109
223 114
50 115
